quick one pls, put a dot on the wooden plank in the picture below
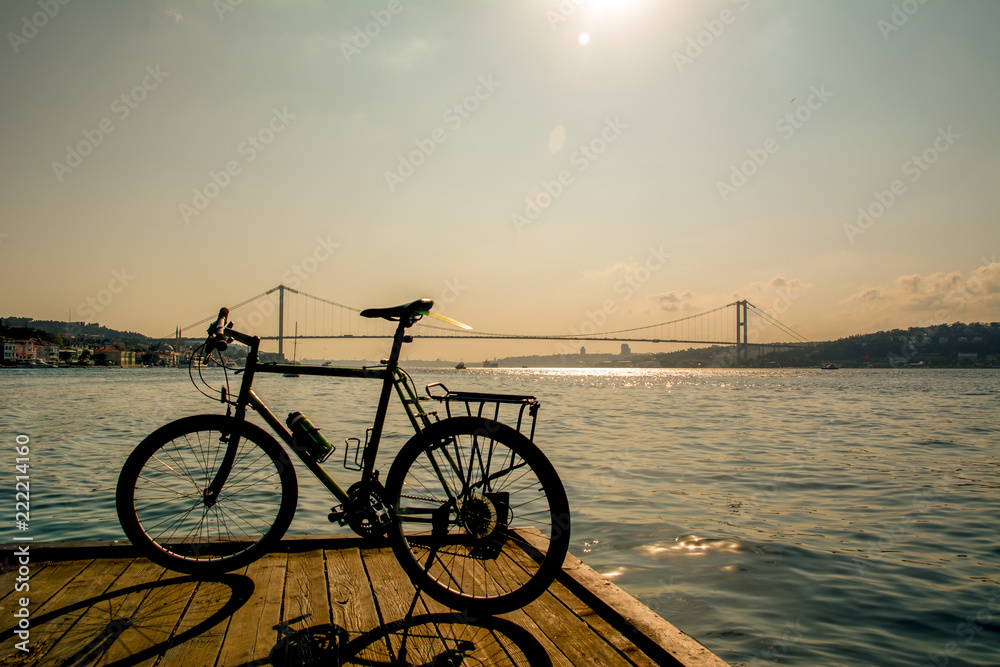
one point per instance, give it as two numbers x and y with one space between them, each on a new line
132 620
157 618
8 580
10 596
394 597
501 632
353 609
601 627
575 639
539 641
44 582
54 618
202 630
252 632
307 636
517 559
520 618
434 634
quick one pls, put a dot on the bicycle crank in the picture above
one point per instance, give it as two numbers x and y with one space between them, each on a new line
368 517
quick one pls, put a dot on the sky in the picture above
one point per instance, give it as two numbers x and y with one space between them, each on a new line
534 166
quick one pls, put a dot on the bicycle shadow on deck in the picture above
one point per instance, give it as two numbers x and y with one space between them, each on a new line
130 625
417 640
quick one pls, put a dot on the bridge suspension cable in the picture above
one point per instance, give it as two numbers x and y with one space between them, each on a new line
599 333
771 320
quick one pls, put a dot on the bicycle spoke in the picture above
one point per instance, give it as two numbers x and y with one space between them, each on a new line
162 495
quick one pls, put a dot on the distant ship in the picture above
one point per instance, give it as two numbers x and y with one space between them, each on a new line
460 366
33 363
829 367
490 364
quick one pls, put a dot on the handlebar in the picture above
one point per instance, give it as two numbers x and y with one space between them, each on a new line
217 334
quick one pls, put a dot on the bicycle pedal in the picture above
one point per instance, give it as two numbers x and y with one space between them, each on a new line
338 517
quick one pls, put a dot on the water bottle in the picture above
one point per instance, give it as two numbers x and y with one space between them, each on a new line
306 436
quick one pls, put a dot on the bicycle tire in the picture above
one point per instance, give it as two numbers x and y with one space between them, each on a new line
484 528
160 501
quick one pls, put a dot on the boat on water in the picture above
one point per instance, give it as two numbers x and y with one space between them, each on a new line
829 367
460 366
490 364
33 363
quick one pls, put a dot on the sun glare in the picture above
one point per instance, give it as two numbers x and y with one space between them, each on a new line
602 7
584 38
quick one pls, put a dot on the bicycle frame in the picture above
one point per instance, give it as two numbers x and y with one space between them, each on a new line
390 375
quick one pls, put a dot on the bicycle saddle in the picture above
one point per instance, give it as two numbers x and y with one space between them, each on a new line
395 313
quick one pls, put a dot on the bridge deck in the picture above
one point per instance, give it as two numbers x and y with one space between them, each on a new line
330 600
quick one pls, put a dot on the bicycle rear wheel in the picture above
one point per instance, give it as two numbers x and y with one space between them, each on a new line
161 495
480 517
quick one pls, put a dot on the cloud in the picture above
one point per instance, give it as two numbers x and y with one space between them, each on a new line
175 15
866 295
779 282
672 301
943 294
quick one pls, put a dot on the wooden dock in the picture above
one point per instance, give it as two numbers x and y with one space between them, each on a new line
317 601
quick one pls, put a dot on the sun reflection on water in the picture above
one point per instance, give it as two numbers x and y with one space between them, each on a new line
692 545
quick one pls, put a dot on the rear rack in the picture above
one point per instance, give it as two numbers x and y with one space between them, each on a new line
474 404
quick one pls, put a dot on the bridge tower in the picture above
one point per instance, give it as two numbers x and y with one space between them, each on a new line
281 322
741 332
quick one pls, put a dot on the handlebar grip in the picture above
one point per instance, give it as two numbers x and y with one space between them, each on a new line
216 334
220 323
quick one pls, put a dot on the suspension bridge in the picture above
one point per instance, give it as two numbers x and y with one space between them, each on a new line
286 314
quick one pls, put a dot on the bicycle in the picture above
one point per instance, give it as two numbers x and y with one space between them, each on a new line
475 513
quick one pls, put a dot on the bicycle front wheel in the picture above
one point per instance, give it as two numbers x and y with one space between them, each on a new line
480 517
161 495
